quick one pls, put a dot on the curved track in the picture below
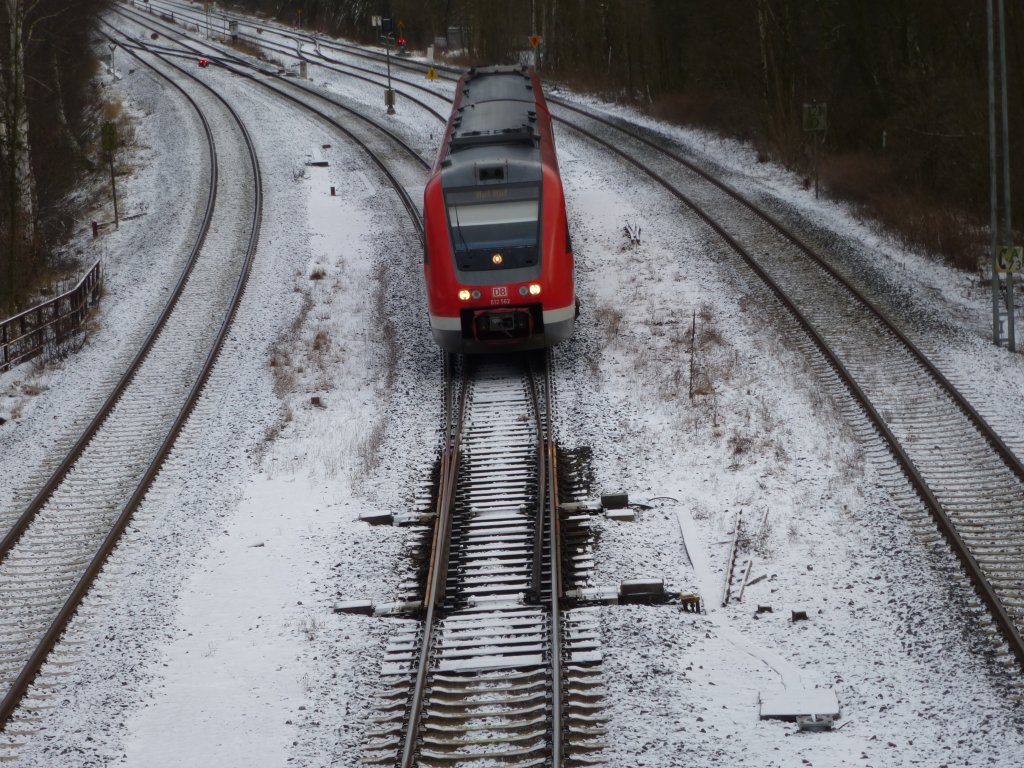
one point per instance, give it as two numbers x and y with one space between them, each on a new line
66 535
959 467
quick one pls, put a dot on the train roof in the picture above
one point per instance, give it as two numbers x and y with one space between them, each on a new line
494 137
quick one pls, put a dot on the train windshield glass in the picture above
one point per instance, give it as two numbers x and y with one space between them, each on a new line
494 228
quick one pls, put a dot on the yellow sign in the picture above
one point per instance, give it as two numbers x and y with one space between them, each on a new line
401 24
431 74
534 40
1009 258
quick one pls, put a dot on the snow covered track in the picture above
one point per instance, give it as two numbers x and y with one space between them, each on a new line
67 533
954 462
484 682
402 170
295 44
971 483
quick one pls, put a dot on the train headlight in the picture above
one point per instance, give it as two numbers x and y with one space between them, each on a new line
464 294
496 259
535 289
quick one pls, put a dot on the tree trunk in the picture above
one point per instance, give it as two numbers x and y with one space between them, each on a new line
19 180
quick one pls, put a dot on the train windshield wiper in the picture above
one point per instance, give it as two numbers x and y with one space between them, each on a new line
458 228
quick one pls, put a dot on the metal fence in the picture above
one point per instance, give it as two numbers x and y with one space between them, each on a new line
28 334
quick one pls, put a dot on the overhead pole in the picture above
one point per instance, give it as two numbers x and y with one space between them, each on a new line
1003 259
1008 231
993 175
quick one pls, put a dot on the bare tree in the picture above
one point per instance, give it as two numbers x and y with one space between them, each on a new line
43 45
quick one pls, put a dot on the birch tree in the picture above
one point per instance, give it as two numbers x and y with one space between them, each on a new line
33 33
18 180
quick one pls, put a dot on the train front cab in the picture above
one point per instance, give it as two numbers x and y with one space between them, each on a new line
510 275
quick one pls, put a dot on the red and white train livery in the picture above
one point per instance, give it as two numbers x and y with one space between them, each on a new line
498 260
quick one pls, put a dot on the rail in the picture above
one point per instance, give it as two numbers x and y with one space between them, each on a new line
28 333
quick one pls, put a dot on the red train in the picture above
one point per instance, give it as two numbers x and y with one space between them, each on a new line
498 260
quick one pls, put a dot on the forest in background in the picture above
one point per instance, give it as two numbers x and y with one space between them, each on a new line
905 83
49 103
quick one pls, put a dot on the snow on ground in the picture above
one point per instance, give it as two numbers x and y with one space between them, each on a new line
210 639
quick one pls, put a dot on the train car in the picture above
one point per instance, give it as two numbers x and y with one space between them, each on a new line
498 259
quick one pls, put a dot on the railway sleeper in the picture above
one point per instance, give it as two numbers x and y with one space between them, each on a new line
570 760
520 724
507 590
469 620
472 536
526 695
511 651
492 662
447 647
514 521
587 730
508 491
488 713
454 682
472 573
535 635
486 682
535 739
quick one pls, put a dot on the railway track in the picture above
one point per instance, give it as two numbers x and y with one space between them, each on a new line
376 139
958 467
498 671
61 541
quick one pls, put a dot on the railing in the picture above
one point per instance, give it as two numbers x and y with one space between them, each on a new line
26 335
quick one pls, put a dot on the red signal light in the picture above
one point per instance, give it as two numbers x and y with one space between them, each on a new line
401 41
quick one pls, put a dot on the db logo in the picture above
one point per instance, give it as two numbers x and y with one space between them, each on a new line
499 291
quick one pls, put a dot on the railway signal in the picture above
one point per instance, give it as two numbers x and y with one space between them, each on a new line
385 26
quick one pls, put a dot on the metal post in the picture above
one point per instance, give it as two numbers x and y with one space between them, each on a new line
993 178
1008 232
533 26
391 94
815 165
1002 230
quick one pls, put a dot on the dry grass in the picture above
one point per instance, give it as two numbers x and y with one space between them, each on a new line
922 206
740 443
243 46
912 214
318 274
713 109
321 342
609 320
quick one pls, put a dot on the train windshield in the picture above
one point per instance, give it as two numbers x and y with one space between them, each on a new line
494 228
